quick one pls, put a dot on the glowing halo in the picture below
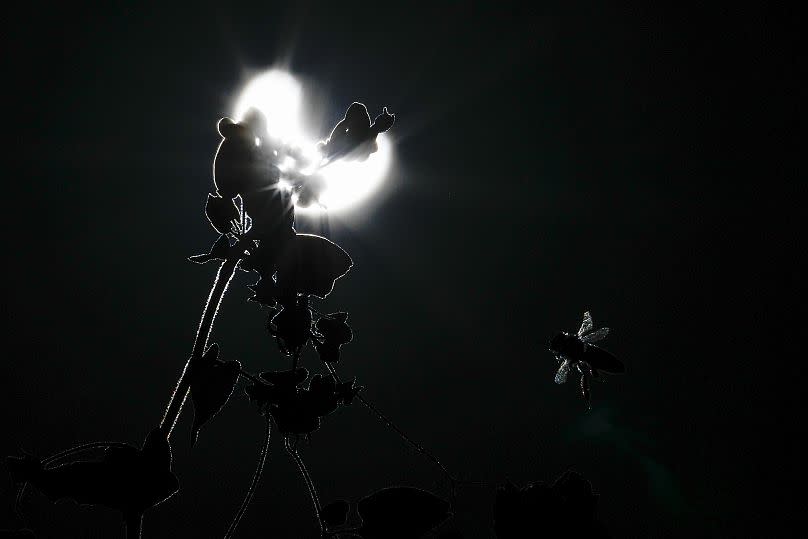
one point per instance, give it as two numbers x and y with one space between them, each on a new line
279 96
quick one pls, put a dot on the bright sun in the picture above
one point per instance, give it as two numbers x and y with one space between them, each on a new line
279 96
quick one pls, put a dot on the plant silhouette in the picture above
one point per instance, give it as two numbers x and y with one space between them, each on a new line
253 212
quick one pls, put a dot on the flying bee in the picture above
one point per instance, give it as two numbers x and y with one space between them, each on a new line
578 351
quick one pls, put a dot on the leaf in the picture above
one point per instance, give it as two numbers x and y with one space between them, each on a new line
335 513
149 474
292 326
335 332
335 329
266 292
23 533
156 449
347 391
320 398
401 512
127 478
293 416
576 491
218 251
329 353
311 264
565 508
212 383
262 394
221 211
290 378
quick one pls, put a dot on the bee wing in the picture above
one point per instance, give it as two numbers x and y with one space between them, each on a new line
595 336
604 361
586 324
563 370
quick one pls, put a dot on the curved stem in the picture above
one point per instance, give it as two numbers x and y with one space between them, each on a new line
256 477
134 526
220 284
315 499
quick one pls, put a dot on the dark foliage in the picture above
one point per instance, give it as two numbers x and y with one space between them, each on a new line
126 478
333 332
218 251
291 325
565 508
310 264
23 533
401 512
212 383
221 212
296 409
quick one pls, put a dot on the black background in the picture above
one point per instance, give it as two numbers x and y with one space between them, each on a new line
637 162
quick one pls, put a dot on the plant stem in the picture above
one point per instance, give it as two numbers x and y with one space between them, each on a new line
178 398
134 526
453 481
315 499
253 484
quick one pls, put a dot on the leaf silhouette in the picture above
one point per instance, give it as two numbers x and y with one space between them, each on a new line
401 512
127 478
265 290
218 251
354 138
292 325
24 533
575 491
286 379
335 332
212 383
567 507
221 212
335 513
347 391
310 264
321 396
295 416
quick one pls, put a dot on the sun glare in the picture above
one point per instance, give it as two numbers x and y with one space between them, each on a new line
279 96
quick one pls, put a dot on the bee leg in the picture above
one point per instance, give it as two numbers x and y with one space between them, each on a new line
585 393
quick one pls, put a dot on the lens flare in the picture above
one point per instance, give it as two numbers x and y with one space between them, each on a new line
279 96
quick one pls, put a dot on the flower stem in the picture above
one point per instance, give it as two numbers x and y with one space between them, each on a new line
178 398
262 457
134 526
315 499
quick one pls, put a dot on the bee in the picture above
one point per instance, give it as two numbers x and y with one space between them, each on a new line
577 351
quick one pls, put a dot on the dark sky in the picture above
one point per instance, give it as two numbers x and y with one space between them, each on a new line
637 162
